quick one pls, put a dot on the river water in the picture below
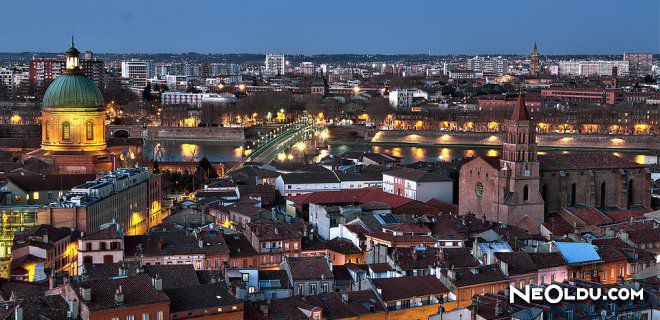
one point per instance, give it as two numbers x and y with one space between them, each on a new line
222 152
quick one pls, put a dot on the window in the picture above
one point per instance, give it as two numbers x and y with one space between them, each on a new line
312 288
251 289
525 193
66 131
89 130
131 317
145 316
300 289
245 276
47 134
324 288
159 315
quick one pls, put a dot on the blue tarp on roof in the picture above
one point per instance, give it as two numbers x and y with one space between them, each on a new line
495 247
576 252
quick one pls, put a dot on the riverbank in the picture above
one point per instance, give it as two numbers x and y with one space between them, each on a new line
360 142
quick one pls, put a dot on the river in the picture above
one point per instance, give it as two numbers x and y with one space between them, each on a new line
223 152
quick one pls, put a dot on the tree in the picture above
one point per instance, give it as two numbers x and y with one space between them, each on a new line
115 91
378 109
313 103
146 93
448 90
205 169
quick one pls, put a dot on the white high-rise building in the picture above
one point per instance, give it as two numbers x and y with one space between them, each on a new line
497 65
275 64
138 71
401 98
593 68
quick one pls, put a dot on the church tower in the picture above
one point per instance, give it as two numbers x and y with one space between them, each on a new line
534 64
519 197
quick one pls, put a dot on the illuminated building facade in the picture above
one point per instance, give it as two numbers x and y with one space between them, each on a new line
15 218
73 122
131 197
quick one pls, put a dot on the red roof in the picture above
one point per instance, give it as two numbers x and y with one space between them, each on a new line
625 215
365 195
590 215
407 227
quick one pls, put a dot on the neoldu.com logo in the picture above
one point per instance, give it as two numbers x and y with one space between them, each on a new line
555 294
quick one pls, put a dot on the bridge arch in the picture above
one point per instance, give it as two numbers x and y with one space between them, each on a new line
121 133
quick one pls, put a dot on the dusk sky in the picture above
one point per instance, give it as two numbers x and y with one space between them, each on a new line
337 26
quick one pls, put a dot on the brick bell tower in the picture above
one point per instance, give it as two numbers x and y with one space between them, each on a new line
519 197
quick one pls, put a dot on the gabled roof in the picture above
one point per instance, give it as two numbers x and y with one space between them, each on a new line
309 268
138 291
200 296
401 288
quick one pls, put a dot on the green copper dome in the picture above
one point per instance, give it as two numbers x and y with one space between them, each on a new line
72 91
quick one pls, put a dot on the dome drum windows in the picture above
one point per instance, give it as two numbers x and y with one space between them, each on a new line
66 131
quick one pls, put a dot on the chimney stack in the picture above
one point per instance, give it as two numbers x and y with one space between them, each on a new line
18 313
86 293
157 281
615 78
119 296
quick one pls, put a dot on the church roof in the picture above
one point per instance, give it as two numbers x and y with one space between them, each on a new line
72 91
585 161
520 112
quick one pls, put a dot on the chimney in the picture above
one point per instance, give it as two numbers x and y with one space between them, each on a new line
451 274
615 78
73 308
18 313
489 254
505 268
157 281
119 296
86 293
122 270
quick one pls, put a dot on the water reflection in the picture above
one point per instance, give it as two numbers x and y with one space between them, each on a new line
222 152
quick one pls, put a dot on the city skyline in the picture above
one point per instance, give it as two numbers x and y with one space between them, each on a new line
438 28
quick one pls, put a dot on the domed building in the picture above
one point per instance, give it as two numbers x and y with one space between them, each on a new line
73 122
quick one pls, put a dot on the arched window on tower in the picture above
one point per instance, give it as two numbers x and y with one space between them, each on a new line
573 193
603 192
46 132
631 190
66 131
525 193
89 130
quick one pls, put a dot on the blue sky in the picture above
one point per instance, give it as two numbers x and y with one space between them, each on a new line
335 26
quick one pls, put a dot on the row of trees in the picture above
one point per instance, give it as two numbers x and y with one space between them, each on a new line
188 181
